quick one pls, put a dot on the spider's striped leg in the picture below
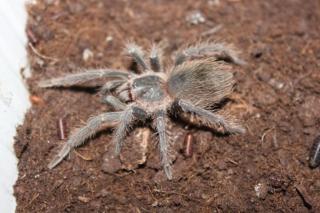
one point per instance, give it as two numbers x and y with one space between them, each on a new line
93 125
83 77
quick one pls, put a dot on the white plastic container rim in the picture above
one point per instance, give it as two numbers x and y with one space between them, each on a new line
14 101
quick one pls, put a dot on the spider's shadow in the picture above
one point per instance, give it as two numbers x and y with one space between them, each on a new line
182 123
220 104
133 66
86 89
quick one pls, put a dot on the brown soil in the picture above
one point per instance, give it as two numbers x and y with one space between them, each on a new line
277 98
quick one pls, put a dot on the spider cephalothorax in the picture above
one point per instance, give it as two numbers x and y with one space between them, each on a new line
199 79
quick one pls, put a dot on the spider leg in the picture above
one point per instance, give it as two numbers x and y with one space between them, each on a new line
160 121
137 54
82 77
132 113
155 59
209 118
114 102
81 135
111 85
219 51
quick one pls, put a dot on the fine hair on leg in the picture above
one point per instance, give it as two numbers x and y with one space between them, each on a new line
114 102
83 77
212 119
125 123
155 58
131 114
81 135
137 54
218 51
164 142
110 86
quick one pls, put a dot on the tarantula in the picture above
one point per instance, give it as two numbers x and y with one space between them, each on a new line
198 80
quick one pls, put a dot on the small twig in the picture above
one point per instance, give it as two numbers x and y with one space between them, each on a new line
300 78
177 193
83 157
41 55
188 145
265 133
232 161
275 141
31 36
306 199
153 197
212 30
56 186
61 125
304 49
33 199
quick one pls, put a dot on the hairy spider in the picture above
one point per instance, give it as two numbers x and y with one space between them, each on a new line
198 80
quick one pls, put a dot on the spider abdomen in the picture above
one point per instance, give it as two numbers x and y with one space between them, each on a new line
201 82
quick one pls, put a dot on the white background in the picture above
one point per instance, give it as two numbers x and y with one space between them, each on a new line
13 94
